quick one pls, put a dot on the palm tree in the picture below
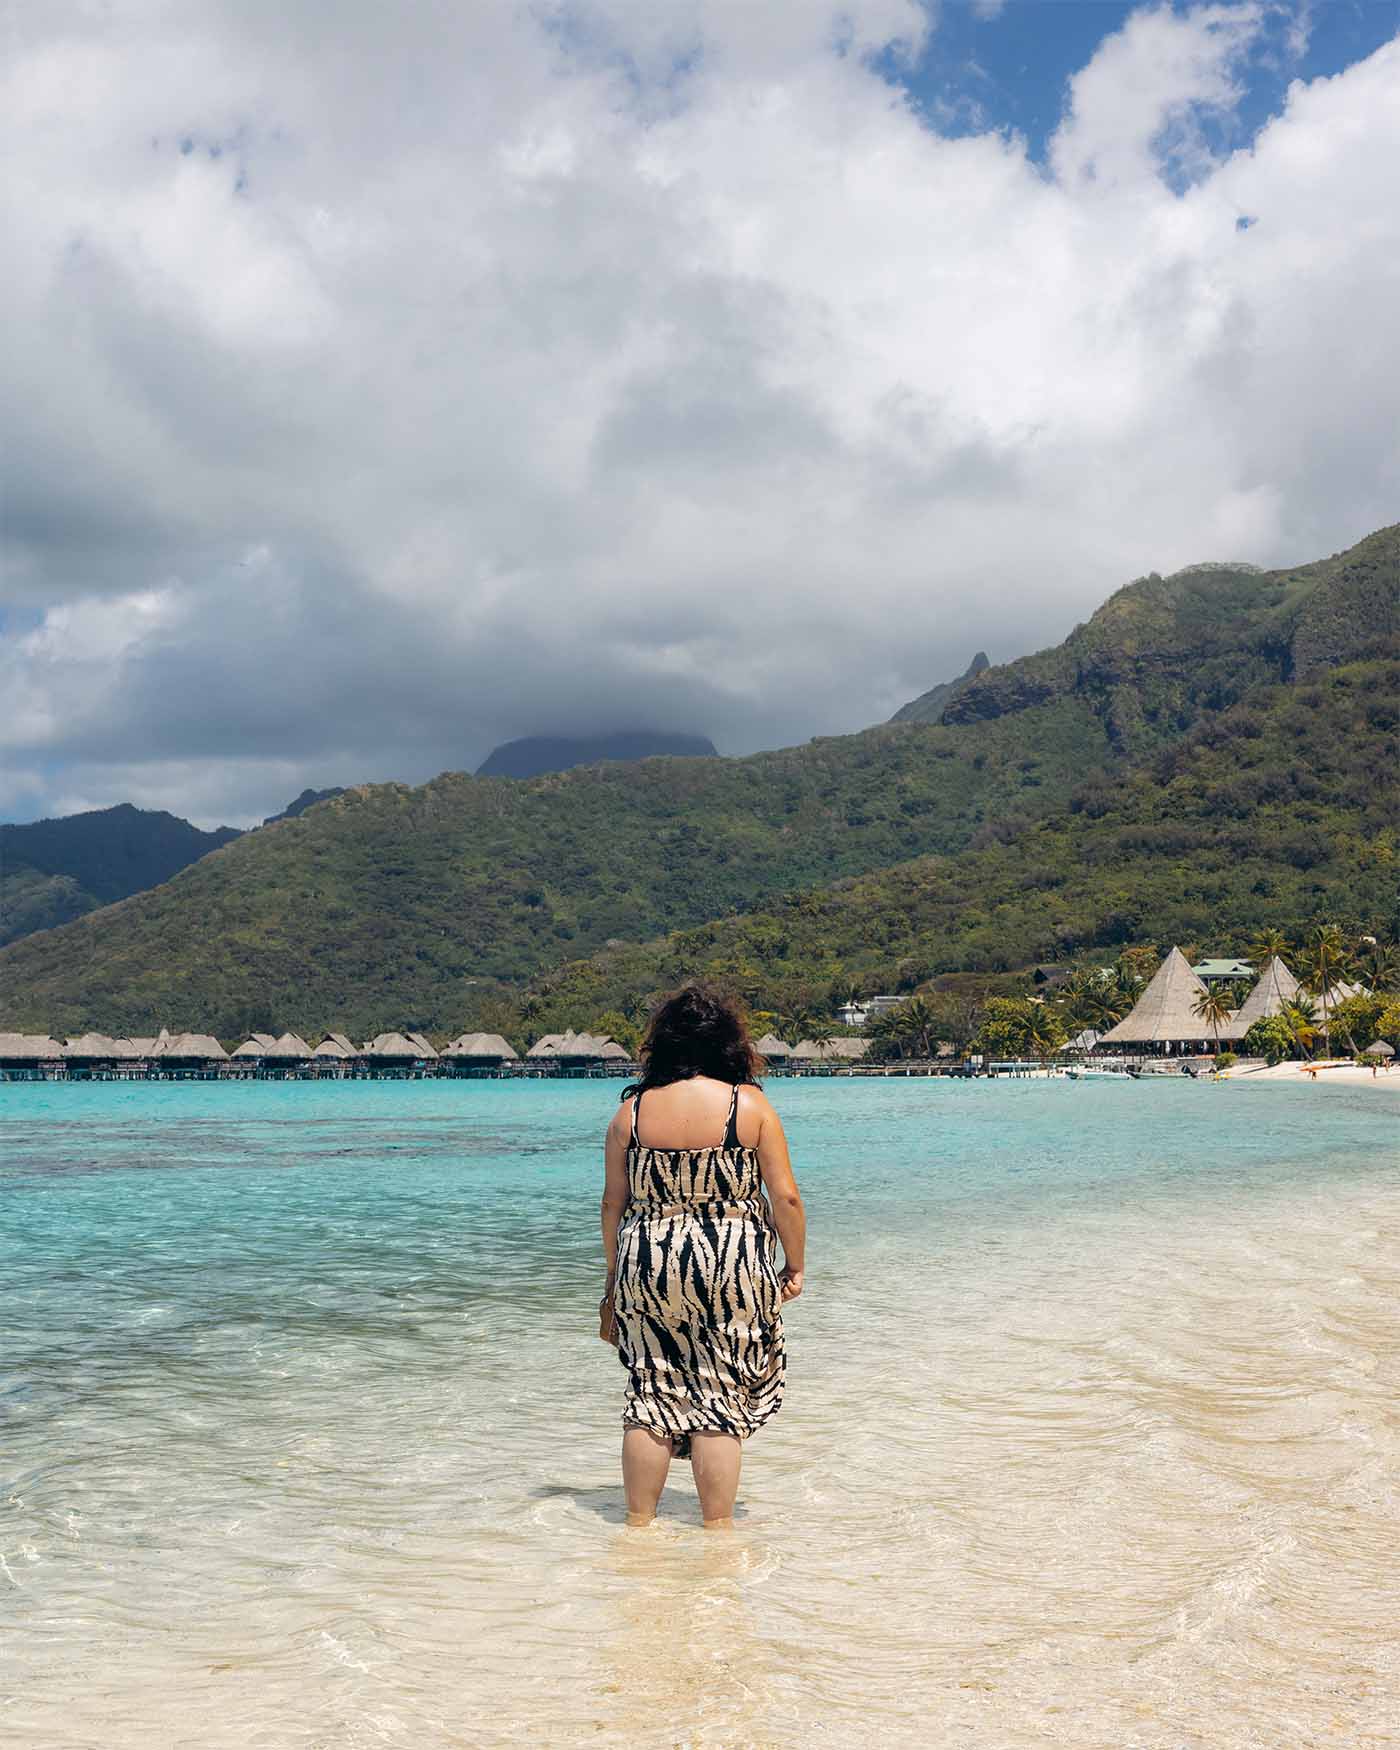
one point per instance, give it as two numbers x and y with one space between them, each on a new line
1267 944
1301 1016
920 1020
1044 1032
1381 963
1325 959
1213 1006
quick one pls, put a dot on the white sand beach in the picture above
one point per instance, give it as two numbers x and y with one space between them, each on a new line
1342 1070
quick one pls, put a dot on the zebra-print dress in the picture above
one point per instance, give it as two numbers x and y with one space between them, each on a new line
697 1298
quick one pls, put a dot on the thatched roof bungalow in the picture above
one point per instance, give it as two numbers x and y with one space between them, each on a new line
97 1048
25 1050
577 1051
399 1048
842 1050
336 1048
286 1049
1275 989
568 1047
480 1048
1164 1017
773 1049
188 1048
256 1045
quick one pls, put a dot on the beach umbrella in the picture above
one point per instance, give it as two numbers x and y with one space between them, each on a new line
1379 1049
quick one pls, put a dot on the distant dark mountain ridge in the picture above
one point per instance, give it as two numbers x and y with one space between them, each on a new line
929 706
52 871
437 907
533 755
307 799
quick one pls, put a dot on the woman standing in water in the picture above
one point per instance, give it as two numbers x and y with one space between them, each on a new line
689 1239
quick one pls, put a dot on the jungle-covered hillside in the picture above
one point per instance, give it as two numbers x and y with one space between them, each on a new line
1072 796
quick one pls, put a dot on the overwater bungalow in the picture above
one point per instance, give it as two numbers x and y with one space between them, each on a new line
477 1054
335 1056
571 1053
194 1056
29 1057
1164 1019
773 1050
398 1054
285 1055
95 1055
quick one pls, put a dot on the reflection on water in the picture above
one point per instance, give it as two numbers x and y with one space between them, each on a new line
1091 1438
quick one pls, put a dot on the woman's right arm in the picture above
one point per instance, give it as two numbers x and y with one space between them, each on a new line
784 1199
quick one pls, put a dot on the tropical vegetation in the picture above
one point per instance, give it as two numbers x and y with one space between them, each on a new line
1210 753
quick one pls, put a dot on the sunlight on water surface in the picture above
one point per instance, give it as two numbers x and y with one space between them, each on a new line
1091 1434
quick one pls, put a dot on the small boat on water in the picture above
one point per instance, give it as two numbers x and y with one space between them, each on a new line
1079 1073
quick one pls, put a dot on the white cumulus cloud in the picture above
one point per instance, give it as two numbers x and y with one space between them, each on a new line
386 382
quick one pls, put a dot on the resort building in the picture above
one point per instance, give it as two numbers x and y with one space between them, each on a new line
277 1055
335 1048
1164 1018
1275 990
477 1054
773 1049
1235 973
571 1053
398 1053
857 1013
811 1054
28 1056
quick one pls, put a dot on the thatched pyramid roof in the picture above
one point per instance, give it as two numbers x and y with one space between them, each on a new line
335 1045
256 1045
399 1045
200 1046
490 1045
93 1045
289 1048
569 1044
1275 989
1166 1009
772 1047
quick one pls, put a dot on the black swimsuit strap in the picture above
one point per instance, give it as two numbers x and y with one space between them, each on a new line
635 1104
731 1129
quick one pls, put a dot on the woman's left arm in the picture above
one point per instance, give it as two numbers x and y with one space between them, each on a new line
615 1192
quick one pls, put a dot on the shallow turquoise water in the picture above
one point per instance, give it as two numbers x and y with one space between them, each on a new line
308 1440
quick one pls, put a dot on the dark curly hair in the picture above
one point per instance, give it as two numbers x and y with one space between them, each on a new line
696 1031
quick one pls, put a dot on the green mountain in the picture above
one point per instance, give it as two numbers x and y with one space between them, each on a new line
434 907
1282 810
52 871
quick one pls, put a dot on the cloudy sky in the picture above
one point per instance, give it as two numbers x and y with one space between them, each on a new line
383 381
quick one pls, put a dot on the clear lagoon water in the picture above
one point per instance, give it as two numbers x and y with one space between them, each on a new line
1091 1434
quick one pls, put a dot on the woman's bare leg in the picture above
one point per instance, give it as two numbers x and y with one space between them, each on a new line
646 1458
715 1460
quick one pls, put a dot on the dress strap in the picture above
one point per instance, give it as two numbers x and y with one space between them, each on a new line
636 1102
731 1129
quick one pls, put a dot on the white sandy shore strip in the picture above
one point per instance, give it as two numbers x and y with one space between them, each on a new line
1340 1069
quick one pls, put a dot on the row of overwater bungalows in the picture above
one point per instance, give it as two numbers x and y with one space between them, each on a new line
199 1056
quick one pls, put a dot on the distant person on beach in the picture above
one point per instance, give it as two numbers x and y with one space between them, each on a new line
689 1235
